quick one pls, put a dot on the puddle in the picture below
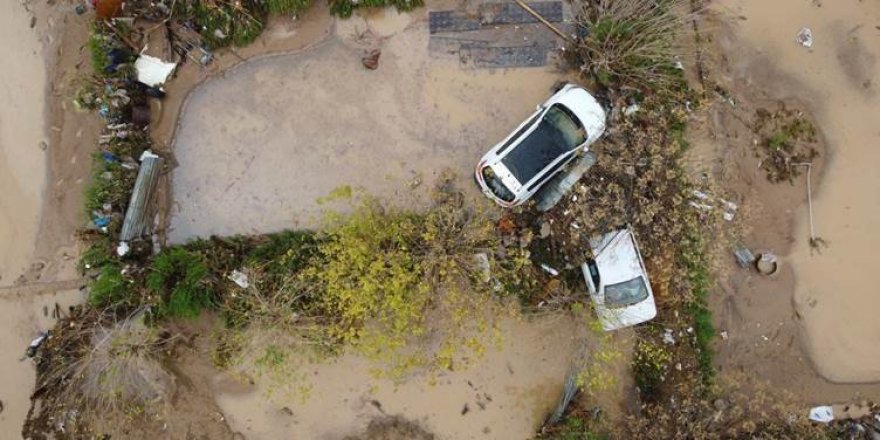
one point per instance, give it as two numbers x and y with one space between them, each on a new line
507 395
835 290
257 147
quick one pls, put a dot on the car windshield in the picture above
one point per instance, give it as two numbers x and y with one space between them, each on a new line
496 186
626 293
558 133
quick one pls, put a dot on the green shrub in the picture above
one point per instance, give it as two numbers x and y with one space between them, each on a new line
650 364
111 288
180 278
222 24
344 8
97 46
286 252
287 7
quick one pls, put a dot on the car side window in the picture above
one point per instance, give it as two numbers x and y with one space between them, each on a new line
550 172
594 273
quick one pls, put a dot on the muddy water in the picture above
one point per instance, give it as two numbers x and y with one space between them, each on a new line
22 162
259 146
836 291
505 396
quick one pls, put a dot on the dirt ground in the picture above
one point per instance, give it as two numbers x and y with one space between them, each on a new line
812 325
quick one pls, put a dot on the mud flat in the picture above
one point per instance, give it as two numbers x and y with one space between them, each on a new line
835 289
259 146
506 395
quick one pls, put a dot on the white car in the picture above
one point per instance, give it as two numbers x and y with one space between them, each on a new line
618 282
562 127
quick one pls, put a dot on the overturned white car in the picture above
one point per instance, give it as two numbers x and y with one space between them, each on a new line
618 282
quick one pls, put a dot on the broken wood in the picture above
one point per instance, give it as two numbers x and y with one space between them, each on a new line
544 21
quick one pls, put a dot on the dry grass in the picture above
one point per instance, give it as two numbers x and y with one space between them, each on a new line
630 41
95 371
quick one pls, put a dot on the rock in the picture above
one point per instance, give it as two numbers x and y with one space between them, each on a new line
545 230
371 60
43 145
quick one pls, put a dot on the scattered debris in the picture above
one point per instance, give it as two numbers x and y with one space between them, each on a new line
767 264
805 37
668 337
371 60
822 414
744 257
550 270
240 278
482 262
152 71
31 350
137 217
707 203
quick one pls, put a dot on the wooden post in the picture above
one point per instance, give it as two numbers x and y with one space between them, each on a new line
544 21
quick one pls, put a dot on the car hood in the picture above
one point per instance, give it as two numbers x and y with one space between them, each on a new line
620 317
616 257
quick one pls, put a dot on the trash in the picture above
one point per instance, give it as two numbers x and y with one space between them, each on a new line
805 37
481 260
101 221
152 71
668 337
137 217
31 351
631 109
545 230
109 157
550 270
154 92
219 34
240 278
140 115
724 335
744 257
371 60
767 264
822 414
728 208
123 249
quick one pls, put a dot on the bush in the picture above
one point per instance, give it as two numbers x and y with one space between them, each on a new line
650 364
111 288
287 7
180 279
385 278
224 23
344 8
630 41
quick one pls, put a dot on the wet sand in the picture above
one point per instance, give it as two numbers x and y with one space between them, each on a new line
22 161
835 292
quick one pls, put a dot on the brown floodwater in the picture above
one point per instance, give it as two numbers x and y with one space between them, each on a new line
836 289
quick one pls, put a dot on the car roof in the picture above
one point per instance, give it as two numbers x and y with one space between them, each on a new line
536 151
